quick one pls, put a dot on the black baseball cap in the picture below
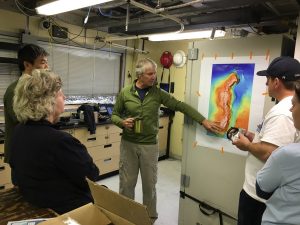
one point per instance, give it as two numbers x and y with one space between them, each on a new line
284 67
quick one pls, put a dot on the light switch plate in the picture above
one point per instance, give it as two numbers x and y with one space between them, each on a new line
193 54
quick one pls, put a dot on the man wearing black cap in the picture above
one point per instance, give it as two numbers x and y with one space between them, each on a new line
276 130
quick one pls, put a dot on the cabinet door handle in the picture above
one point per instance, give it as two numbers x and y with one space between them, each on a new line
161 127
106 137
2 168
107 146
92 139
106 160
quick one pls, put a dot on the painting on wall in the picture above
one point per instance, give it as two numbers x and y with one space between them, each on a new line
230 93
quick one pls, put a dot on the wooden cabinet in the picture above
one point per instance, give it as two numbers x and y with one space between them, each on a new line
103 146
163 135
5 174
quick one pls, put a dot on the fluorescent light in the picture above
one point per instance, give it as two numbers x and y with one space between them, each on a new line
61 6
186 35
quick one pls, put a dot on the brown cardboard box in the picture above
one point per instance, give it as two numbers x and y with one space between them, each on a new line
109 208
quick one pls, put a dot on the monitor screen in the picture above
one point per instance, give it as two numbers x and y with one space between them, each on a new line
109 110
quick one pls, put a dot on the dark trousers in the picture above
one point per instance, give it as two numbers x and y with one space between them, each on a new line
13 177
250 210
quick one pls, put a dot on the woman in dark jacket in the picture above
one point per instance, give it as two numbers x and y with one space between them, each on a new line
50 165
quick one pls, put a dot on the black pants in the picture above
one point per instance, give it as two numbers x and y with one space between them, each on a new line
250 210
13 177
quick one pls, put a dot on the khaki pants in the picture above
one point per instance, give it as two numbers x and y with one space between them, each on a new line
143 158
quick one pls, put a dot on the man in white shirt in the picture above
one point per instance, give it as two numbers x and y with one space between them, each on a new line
277 129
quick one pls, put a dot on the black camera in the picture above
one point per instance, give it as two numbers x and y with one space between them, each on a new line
233 133
45 24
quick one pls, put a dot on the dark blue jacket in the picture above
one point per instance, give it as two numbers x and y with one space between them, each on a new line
50 167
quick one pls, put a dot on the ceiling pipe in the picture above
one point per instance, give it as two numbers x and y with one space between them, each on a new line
127 17
151 10
273 9
127 48
183 5
159 13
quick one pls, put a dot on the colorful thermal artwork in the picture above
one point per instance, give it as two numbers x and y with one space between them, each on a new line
230 95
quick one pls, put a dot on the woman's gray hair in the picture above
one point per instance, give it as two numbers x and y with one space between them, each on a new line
142 64
35 95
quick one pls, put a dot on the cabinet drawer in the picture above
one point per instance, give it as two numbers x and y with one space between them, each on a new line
6 186
109 164
104 151
95 140
1 158
90 140
113 129
102 129
5 174
115 137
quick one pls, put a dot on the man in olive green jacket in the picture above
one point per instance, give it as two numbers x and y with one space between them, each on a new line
139 104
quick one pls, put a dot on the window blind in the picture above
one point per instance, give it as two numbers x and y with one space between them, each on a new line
85 71
9 72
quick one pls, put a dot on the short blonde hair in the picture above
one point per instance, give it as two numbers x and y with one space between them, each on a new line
35 95
142 64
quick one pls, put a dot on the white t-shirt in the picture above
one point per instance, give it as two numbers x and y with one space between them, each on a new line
278 129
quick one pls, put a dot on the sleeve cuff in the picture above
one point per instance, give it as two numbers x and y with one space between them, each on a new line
261 193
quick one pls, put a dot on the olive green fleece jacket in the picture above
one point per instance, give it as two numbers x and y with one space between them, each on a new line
128 104
10 119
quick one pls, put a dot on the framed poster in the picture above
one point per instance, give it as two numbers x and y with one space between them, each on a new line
232 95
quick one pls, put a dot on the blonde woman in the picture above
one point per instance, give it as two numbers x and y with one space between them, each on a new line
50 165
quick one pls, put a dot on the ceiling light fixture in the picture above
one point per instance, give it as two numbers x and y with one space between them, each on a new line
60 6
186 35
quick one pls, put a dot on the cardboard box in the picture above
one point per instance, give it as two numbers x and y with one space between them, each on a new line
110 208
